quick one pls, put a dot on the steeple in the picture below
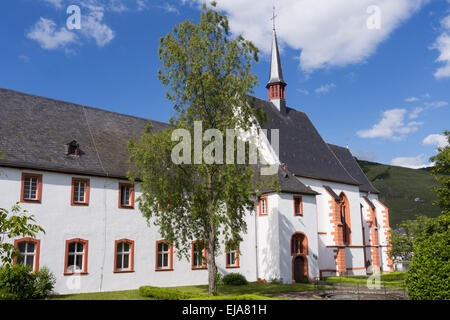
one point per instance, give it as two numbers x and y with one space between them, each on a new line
276 82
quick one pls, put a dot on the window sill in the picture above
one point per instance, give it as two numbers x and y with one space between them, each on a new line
30 201
232 267
199 268
263 215
126 207
123 271
75 273
164 269
82 204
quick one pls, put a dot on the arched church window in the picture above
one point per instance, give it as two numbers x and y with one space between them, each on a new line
299 244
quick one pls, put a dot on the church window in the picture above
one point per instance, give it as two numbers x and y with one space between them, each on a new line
28 252
299 244
298 206
164 255
263 209
232 255
80 191
31 187
76 256
126 196
124 256
198 255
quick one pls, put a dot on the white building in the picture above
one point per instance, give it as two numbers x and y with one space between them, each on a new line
67 166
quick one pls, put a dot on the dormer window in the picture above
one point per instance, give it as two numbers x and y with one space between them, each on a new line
73 149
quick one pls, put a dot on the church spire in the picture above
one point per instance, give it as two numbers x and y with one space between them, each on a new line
276 82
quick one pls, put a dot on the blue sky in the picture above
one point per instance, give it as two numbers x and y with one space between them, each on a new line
375 78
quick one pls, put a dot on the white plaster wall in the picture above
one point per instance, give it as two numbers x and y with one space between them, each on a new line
268 241
102 222
352 193
288 225
381 230
354 256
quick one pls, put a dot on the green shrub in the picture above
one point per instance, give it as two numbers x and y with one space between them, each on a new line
235 279
164 293
18 282
428 277
44 283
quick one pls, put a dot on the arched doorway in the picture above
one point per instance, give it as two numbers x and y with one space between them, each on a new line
299 252
300 269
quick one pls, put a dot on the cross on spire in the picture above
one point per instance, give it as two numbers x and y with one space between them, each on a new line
273 17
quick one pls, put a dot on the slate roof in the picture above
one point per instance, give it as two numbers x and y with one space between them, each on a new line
332 193
288 183
301 146
276 72
369 202
353 168
34 133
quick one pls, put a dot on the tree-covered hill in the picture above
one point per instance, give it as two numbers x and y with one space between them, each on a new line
407 192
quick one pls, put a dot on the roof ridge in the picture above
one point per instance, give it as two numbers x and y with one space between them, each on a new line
82 105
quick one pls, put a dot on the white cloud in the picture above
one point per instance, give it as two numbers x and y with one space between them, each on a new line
364 155
141 4
412 99
25 58
303 91
436 104
57 3
325 88
442 44
415 113
418 162
168 8
117 6
92 26
328 33
427 106
49 37
438 140
391 126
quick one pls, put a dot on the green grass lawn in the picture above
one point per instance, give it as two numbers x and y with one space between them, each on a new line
251 288
391 280
227 291
113 295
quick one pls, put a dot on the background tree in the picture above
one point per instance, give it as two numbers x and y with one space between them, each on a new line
429 274
208 78
441 172
402 239
15 224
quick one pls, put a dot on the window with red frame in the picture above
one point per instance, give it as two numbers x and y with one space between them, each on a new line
31 187
124 256
28 250
232 255
80 191
198 255
263 206
298 206
76 256
164 255
126 196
